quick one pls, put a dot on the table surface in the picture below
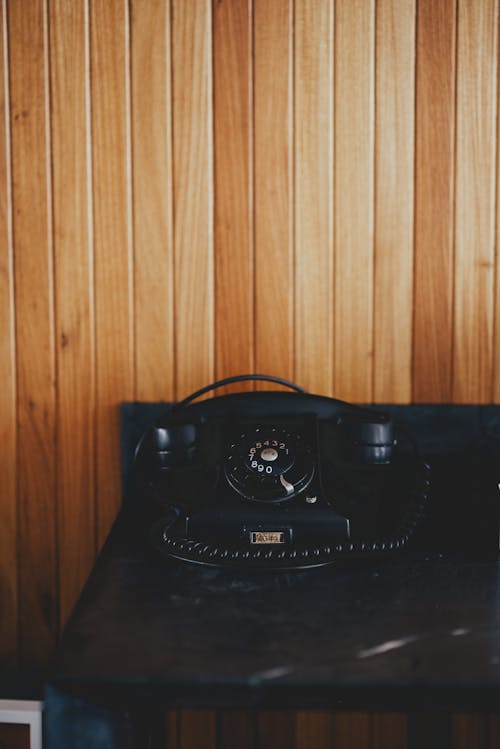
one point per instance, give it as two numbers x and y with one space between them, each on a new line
419 631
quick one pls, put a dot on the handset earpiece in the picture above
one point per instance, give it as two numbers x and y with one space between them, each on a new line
372 439
175 445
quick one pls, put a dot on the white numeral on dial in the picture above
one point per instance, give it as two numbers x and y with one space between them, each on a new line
260 467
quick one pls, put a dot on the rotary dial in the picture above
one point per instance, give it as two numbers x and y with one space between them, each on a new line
269 464
269 457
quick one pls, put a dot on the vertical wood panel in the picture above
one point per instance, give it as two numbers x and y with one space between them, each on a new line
434 201
477 60
171 730
237 729
496 342
354 198
193 194
196 729
493 724
313 194
113 289
314 729
352 730
390 731
234 286
469 731
394 140
193 216
273 198
8 504
152 199
34 328
275 729
73 295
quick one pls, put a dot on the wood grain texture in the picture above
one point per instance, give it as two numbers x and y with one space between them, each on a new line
389 731
493 729
352 730
354 198
313 123
434 201
8 432
127 138
34 329
197 729
314 729
171 730
234 261
151 108
393 271
469 731
236 729
74 300
111 236
477 89
275 729
496 341
193 194
273 188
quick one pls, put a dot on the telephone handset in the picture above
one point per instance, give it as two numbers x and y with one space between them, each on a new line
278 480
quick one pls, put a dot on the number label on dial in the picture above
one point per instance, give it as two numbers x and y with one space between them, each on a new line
260 467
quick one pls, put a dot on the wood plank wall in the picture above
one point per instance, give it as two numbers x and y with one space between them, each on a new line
192 189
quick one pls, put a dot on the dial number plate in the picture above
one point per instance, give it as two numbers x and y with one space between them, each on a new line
269 464
269 457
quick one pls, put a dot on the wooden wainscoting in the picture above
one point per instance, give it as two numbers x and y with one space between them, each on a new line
192 189
200 729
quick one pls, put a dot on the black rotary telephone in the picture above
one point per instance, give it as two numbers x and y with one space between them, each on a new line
278 480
